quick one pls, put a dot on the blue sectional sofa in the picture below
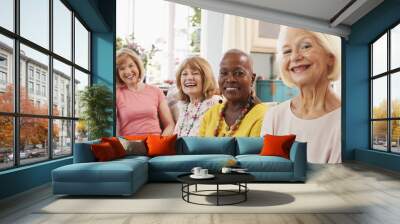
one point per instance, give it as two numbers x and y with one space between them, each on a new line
125 176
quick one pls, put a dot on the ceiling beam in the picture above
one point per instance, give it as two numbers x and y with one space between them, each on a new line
268 15
346 12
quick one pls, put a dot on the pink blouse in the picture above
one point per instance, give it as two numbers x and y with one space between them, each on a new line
137 111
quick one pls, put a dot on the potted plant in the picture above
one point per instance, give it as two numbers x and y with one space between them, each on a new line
96 102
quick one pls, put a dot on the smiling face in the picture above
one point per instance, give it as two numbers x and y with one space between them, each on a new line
303 60
128 71
236 76
191 82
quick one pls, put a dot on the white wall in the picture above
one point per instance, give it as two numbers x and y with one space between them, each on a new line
212 27
125 17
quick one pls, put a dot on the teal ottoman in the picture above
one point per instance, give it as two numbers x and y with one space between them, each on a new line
118 177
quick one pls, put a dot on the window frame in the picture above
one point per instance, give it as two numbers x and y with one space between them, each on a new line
388 74
16 115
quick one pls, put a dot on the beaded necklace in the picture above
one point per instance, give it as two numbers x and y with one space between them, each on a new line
232 129
186 117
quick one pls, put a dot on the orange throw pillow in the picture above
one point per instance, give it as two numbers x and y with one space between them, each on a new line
275 145
103 152
161 145
116 145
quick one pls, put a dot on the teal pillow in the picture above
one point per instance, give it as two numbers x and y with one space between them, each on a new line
206 145
249 145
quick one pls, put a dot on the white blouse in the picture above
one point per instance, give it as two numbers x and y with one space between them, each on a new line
190 116
323 134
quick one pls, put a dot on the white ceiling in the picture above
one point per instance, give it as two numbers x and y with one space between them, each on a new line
320 9
318 15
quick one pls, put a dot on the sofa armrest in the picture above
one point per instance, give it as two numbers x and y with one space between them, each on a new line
83 152
298 155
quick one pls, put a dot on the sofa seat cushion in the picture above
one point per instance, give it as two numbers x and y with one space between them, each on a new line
249 145
112 171
133 158
257 163
185 163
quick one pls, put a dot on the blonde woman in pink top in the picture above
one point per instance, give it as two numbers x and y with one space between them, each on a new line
310 62
141 109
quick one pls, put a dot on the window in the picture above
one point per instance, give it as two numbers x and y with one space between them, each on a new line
81 45
34 25
44 77
38 89
3 61
3 78
62 74
3 81
3 72
30 73
37 75
81 81
53 125
175 35
385 94
43 90
7 14
62 30
30 87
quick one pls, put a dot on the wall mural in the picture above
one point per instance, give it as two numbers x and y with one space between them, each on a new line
304 97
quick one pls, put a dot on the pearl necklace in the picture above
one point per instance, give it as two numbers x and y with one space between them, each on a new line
186 117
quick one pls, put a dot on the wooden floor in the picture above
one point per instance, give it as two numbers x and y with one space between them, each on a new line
377 188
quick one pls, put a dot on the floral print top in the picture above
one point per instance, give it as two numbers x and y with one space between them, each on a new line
190 115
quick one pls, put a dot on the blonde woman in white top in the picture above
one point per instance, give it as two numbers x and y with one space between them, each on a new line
310 62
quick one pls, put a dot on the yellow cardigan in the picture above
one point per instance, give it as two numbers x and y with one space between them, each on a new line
249 127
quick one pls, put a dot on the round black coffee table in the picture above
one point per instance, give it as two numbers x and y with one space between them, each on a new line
238 179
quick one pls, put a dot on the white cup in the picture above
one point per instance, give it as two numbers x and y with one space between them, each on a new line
203 172
226 170
196 170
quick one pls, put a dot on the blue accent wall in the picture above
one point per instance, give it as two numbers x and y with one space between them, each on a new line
377 158
24 178
356 104
103 59
103 51
89 11
99 16
356 74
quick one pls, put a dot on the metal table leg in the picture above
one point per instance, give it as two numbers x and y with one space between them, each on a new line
217 194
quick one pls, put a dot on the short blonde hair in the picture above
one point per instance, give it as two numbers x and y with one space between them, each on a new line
207 76
331 44
122 55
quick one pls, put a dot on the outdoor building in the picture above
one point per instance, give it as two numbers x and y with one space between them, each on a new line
34 81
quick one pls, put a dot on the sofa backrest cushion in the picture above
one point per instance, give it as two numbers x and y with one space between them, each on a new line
206 145
83 152
249 145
